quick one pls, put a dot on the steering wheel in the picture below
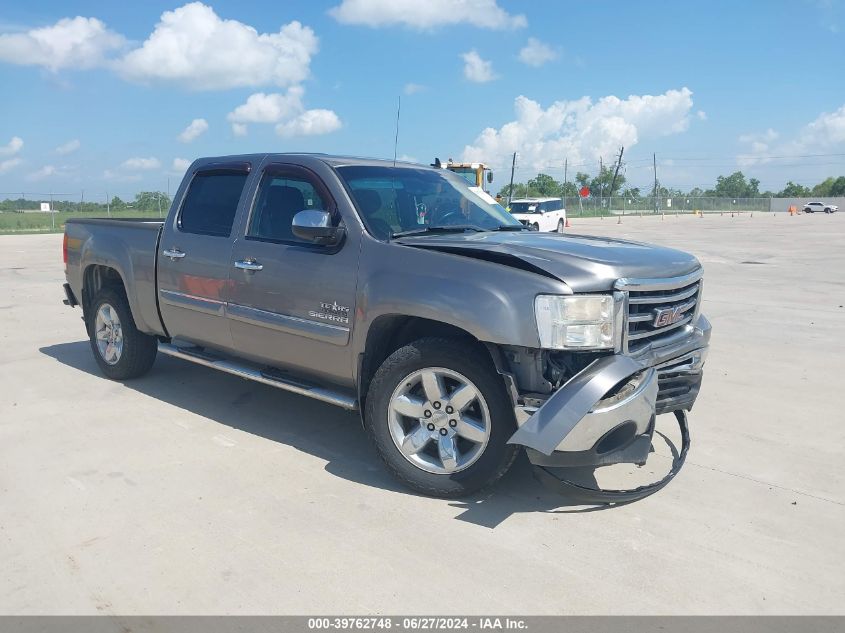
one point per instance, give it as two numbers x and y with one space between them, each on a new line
449 217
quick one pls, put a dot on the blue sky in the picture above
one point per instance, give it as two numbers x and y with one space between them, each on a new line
97 95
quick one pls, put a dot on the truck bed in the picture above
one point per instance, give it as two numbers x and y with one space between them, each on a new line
128 245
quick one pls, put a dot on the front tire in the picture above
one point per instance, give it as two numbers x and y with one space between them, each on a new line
560 226
121 350
440 418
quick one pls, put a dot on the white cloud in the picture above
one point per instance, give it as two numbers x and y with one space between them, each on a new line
194 47
580 130
310 123
12 147
411 88
825 132
145 164
41 174
68 148
181 164
477 69
9 164
536 53
268 108
702 115
195 129
426 14
108 174
286 110
69 43
405 158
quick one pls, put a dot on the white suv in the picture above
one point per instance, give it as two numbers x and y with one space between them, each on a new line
812 207
541 214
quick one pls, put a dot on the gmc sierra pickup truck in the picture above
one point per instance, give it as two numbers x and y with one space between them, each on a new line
393 289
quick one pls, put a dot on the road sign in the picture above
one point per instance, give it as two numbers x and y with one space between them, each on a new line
585 191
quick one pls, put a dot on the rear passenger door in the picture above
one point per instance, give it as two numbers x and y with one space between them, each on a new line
194 255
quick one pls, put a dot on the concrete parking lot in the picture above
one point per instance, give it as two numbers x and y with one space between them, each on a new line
193 492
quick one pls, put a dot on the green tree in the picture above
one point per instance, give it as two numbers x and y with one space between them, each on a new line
735 186
582 179
838 187
569 189
600 184
544 185
794 191
152 201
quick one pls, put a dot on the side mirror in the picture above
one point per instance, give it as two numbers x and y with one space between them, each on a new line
316 227
489 176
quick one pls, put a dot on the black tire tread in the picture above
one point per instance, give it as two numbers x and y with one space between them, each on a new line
139 349
498 402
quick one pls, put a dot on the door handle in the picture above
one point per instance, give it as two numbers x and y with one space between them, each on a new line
173 253
248 264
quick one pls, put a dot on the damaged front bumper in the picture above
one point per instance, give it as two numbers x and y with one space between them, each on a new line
605 414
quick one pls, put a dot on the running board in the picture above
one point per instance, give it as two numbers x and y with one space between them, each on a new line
274 379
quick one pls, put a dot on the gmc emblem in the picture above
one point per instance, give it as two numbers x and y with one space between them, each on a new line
667 316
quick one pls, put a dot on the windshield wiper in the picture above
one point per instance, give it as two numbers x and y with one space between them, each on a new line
452 228
512 227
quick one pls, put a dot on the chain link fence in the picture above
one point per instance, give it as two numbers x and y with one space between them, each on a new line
618 205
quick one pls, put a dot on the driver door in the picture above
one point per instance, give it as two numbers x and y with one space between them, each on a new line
292 302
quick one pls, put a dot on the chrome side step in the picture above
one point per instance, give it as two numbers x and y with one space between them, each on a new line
258 375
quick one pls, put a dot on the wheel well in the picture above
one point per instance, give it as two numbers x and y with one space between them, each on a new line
95 278
389 333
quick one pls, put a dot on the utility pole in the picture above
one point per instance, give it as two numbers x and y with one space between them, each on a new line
601 184
565 169
52 213
656 192
510 189
108 204
615 174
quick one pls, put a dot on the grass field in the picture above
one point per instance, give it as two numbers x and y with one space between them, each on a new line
11 222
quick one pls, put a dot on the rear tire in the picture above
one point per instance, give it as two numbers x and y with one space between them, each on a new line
560 226
121 350
535 226
451 451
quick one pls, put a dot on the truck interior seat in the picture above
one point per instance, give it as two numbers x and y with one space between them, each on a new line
281 204
369 202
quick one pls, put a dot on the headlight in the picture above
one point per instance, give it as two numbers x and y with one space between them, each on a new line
575 322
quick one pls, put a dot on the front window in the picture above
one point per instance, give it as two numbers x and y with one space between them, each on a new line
525 207
467 173
398 199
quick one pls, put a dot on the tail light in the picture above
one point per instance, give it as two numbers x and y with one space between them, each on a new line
64 249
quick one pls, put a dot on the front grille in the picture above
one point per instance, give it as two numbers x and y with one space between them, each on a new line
647 299
678 383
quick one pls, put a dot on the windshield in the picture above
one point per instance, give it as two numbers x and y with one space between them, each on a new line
467 173
525 207
398 199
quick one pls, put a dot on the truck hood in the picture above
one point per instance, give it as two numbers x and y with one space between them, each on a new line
584 263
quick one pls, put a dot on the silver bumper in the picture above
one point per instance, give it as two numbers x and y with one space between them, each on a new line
605 414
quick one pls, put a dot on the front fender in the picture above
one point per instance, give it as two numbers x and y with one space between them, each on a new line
493 302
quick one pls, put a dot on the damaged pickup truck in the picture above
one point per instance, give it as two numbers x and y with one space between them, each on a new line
395 290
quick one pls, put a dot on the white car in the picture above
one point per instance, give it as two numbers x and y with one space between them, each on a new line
812 207
541 214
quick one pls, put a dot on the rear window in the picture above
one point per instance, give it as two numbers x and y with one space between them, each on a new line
211 203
